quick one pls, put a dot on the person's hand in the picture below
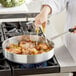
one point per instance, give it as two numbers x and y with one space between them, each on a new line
75 29
42 17
41 21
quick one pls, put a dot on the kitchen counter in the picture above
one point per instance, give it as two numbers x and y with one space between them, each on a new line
28 7
65 60
20 13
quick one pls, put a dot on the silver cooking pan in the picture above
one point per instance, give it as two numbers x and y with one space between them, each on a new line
24 59
29 59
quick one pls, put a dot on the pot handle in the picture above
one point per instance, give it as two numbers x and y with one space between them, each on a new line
71 30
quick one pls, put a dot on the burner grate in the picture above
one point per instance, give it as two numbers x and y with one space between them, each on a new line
4 67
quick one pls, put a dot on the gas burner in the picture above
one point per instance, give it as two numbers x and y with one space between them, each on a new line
9 26
28 26
13 32
38 65
18 28
24 66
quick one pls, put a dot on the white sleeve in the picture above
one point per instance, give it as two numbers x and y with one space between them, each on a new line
56 5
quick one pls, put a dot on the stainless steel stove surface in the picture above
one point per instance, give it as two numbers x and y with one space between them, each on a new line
14 69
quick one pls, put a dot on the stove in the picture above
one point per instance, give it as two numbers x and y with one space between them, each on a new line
10 29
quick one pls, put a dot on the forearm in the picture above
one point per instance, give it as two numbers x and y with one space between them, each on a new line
46 9
43 15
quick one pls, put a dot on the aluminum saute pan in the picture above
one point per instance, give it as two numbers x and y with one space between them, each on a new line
28 59
24 59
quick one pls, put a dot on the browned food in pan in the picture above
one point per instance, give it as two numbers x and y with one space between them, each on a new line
13 48
28 47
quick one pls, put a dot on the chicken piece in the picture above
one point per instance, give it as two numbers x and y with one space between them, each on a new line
13 48
13 45
16 50
41 51
26 45
24 51
8 49
42 46
22 43
32 51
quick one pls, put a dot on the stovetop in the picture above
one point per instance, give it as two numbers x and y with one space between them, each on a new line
8 68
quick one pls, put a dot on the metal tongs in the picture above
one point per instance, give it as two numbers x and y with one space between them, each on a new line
37 37
37 31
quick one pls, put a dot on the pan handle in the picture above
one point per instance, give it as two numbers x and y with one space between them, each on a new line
71 30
